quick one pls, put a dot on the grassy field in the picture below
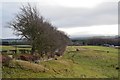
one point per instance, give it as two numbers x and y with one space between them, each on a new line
89 62
12 48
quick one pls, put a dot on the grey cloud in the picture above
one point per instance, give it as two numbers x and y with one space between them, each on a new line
103 14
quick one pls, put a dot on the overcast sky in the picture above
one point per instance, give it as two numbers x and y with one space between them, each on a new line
77 18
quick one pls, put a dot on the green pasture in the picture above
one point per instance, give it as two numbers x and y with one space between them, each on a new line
88 62
14 48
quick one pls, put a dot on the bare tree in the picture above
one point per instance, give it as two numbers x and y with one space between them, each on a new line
43 36
26 23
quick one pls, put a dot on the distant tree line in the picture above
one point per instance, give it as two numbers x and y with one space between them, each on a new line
97 41
9 42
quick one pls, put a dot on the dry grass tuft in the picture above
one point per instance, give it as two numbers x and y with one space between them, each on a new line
30 66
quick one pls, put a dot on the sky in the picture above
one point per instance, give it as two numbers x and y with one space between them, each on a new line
77 18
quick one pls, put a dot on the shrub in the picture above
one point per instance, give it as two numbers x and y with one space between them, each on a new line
28 57
5 59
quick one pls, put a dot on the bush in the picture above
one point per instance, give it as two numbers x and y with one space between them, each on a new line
28 57
5 59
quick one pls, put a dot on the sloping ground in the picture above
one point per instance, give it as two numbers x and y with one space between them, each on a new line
88 62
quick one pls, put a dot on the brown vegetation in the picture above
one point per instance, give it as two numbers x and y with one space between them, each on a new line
5 59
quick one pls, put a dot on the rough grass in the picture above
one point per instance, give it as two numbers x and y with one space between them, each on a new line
89 62
12 48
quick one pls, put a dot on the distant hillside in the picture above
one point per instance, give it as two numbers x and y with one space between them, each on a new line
97 40
79 38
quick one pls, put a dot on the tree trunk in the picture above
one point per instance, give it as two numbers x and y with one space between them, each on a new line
33 50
